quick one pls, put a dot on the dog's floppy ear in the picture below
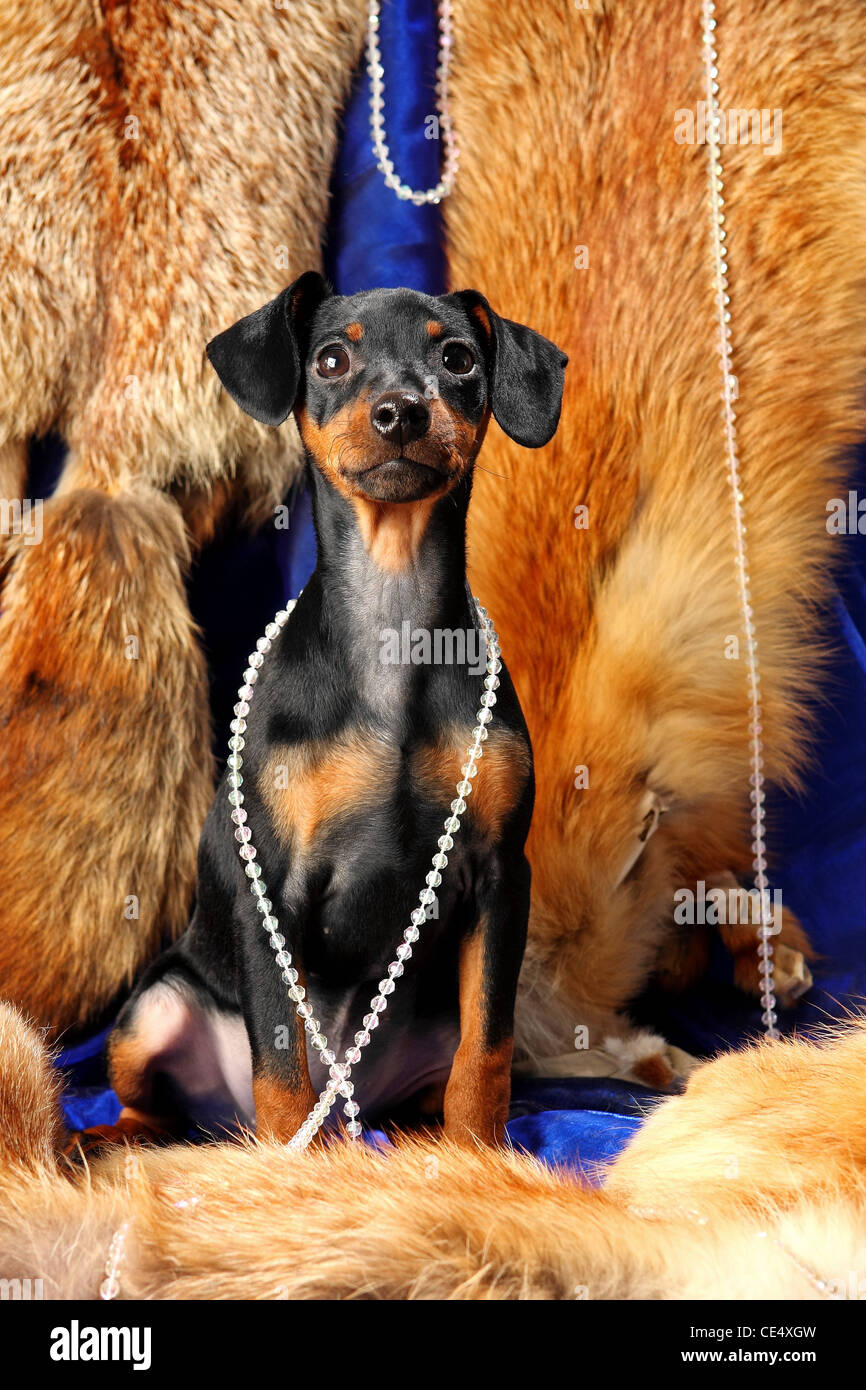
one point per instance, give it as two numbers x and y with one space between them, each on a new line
525 373
258 360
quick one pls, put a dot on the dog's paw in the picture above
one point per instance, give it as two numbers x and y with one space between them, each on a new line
649 1060
793 976
130 1128
639 1056
792 951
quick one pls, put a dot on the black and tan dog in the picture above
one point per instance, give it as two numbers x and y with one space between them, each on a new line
349 763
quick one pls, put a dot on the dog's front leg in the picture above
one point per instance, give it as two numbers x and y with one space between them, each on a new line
282 1089
491 952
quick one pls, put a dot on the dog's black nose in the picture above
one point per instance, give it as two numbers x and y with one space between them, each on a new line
401 416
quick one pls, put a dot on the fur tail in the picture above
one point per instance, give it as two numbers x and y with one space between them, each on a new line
107 776
751 1185
31 1125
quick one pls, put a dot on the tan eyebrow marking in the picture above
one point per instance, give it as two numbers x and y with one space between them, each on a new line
434 328
354 332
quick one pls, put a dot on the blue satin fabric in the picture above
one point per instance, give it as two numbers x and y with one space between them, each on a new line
374 239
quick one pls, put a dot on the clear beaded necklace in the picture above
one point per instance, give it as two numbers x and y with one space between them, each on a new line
376 72
769 1017
340 1073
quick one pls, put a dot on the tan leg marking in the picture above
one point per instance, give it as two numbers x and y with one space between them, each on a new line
479 1087
281 1110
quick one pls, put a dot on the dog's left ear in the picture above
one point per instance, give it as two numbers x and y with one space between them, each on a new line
525 372
259 359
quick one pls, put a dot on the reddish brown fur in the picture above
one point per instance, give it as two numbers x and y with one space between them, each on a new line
348 445
627 620
107 778
31 1126
130 1058
347 430
480 313
280 1111
634 610
392 531
126 246
355 332
131 1127
206 510
680 1217
147 202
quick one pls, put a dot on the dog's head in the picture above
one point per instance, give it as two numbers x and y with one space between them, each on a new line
391 389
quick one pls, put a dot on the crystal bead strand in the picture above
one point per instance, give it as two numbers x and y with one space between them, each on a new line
376 72
110 1286
753 676
339 1073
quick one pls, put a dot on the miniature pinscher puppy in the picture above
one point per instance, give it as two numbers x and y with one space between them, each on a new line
351 761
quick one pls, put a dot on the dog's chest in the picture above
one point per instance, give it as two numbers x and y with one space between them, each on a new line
313 790
357 822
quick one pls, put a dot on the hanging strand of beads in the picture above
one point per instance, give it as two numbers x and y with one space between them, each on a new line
376 73
729 395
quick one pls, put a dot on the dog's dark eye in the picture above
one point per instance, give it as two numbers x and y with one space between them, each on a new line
457 358
332 361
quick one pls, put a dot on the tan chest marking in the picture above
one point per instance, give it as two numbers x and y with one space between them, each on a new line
503 771
392 531
307 788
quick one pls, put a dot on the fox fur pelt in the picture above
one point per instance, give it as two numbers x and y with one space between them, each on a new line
576 199
164 169
750 1185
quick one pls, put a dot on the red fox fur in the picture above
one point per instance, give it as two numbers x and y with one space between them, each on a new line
750 1185
576 200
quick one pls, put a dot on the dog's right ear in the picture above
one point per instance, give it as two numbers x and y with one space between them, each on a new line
259 360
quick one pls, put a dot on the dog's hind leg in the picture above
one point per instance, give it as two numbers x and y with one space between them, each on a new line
179 1055
177 1058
